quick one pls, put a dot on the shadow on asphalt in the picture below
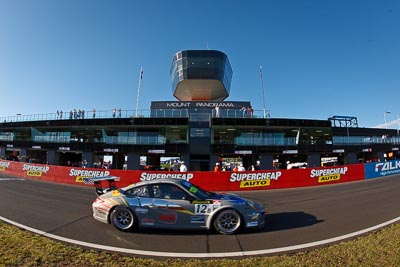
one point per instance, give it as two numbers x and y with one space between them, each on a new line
289 220
274 222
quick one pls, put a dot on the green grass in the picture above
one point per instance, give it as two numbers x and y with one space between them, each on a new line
22 248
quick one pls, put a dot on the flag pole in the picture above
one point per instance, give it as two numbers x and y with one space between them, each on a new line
138 90
262 88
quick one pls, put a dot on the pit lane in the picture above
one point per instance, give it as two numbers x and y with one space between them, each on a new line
299 218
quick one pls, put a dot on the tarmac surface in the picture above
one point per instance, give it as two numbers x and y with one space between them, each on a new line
298 219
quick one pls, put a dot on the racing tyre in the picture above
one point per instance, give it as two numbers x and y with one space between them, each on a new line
227 222
123 219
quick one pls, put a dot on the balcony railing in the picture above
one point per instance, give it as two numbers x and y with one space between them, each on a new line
117 113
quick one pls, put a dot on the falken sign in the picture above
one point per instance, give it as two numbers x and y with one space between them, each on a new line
199 104
379 169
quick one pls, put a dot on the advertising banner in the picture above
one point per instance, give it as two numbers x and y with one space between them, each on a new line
214 181
379 169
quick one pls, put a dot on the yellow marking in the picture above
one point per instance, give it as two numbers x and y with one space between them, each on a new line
255 183
328 178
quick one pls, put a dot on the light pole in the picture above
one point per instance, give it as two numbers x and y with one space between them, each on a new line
384 115
398 126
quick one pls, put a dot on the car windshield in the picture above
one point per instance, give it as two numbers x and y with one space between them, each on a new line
197 191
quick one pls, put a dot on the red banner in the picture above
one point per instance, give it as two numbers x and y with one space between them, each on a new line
213 181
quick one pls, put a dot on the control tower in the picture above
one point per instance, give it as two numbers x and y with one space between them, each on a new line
200 75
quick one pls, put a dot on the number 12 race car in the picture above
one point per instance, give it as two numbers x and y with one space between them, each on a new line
173 204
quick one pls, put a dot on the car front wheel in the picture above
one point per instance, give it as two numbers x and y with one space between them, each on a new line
123 218
227 222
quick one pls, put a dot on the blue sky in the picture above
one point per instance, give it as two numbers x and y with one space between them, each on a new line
319 58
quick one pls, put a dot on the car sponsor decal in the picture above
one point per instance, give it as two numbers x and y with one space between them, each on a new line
252 224
201 202
197 219
141 210
203 209
148 221
193 189
168 218
217 202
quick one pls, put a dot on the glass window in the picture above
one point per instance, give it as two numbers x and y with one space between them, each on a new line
168 191
141 191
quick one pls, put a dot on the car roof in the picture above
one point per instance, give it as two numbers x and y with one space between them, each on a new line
157 181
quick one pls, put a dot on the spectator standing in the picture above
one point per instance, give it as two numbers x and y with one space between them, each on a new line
183 167
217 168
241 168
250 111
94 113
244 110
217 111
257 166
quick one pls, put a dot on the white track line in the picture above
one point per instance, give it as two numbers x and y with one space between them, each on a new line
201 255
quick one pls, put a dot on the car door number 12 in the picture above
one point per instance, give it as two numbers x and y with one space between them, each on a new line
203 208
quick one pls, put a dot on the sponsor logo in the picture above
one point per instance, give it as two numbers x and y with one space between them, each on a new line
88 173
387 166
328 178
4 165
328 175
252 224
197 219
217 202
82 174
2 168
144 176
324 172
168 218
28 167
201 202
34 173
148 221
255 176
255 179
141 210
33 170
246 184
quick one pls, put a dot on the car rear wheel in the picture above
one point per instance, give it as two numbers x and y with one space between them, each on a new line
227 222
123 218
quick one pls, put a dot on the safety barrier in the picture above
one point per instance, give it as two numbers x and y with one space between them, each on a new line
214 181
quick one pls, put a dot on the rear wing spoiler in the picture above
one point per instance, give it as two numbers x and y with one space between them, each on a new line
96 181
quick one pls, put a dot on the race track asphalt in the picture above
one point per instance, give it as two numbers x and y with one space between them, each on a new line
295 216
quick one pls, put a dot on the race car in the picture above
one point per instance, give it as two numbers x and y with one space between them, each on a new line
173 204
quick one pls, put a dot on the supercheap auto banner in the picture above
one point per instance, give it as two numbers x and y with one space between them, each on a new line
215 181
379 169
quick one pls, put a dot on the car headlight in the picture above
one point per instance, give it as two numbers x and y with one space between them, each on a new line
252 205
